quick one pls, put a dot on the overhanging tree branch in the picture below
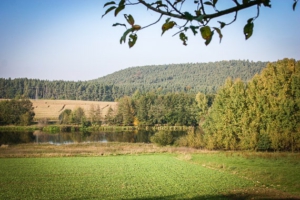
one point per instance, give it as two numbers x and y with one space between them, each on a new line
206 16
161 11
172 11
233 9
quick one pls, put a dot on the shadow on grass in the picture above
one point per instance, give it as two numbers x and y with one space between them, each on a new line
236 196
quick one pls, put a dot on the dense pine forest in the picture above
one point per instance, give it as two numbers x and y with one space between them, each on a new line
191 77
161 79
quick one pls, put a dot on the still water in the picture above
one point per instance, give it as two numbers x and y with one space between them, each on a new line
140 136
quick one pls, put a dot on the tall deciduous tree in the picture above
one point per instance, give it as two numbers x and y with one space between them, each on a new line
222 125
202 103
277 104
92 113
263 115
110 116
78 116
65 116
126 110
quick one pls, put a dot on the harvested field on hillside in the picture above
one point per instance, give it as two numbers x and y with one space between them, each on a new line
51 109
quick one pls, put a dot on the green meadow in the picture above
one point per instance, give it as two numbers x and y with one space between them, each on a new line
152 176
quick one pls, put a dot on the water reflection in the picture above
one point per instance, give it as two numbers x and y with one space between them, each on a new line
140 136
16 137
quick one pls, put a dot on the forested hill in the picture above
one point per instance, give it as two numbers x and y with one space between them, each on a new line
191 78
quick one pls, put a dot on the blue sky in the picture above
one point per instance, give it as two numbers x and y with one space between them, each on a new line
68 39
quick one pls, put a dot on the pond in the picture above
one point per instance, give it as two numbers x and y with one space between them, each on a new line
137 136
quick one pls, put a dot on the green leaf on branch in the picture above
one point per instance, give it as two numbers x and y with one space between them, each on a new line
123 38
249 20
108 10
215 2
219 32
267 3
159 4
168 25
222 24
132 40
129 19
177 1
118 24
109 3
121 7
209 39
136 27
205 32
199 18
198 12
248 30
188 16
193 28
183 37
208 3
294 5
122 3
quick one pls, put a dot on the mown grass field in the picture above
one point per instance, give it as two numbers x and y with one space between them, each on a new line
194 175
51 109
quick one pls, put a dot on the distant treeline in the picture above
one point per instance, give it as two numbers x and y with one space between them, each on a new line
69 90
161 79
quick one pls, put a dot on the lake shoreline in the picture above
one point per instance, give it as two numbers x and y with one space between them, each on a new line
78 128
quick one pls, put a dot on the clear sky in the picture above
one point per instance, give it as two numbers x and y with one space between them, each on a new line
68 39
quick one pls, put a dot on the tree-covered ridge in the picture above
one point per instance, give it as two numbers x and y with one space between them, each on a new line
191 78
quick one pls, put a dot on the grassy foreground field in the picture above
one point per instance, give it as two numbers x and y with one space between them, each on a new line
52 108
138 171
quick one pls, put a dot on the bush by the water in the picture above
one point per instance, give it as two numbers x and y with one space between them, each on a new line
163 138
